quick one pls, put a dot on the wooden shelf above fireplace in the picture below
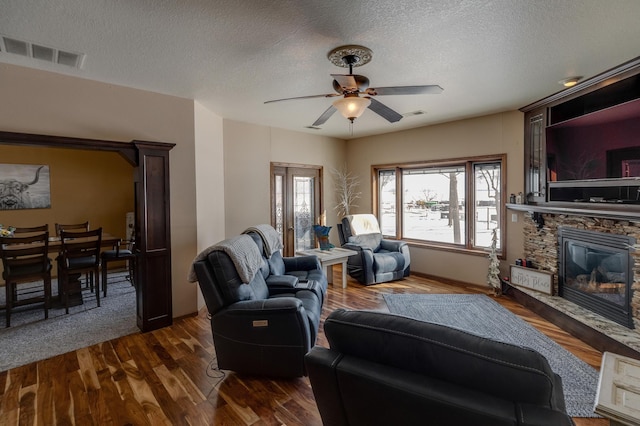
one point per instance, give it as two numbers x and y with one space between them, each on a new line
601 210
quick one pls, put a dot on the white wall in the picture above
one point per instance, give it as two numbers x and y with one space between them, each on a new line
492 134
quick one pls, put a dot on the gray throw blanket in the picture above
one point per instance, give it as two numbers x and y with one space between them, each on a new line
243 252
270 238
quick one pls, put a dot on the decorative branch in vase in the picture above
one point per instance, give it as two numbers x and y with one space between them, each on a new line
346 186
493 275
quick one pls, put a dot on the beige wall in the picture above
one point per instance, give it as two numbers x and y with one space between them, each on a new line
225 163
209 165
47 103
248 151
492 134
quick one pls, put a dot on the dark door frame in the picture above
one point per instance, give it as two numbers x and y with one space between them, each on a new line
152 216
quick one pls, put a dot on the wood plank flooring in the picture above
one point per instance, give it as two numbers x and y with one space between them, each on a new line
167 377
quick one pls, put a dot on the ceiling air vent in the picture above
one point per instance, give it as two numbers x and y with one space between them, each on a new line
412 113
15 46
40 52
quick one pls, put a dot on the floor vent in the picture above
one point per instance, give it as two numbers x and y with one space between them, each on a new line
40 52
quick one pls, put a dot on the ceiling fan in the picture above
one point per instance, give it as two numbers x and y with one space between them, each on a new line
356 95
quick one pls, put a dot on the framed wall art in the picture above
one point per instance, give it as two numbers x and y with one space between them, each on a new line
24 186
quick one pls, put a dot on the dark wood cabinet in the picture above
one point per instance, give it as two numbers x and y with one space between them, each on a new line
534 156
152 216
582 145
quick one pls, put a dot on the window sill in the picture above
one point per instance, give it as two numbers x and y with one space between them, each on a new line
483 252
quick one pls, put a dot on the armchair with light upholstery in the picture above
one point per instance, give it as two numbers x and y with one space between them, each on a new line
378 259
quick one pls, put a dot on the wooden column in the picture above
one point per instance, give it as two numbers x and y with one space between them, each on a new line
153 236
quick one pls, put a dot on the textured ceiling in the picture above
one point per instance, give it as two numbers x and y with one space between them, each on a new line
232 55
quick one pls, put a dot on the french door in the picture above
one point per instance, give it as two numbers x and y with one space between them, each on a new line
296 204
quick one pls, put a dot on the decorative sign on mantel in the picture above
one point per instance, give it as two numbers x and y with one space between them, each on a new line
533 279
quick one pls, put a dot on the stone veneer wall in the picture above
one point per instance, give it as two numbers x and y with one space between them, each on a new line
541 246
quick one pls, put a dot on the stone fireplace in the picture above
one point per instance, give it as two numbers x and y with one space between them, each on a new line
541 245
595 271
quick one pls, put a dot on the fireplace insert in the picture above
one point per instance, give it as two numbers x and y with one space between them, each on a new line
595 272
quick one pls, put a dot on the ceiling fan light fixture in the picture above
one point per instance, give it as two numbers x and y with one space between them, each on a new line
570 82
351 107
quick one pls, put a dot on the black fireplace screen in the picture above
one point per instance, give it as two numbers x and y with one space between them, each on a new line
599 271
596 272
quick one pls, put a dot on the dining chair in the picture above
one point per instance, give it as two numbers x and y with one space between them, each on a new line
25 260
72 227
29 230
118 254
80 252
84 226
32 230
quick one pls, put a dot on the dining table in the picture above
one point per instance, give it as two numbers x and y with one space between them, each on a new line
75 287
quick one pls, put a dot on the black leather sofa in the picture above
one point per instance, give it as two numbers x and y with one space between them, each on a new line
256 330
384 369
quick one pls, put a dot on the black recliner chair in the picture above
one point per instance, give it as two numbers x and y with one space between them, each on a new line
378 260
254 330
292 273
384 369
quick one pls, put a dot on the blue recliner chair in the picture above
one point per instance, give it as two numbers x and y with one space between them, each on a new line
378 260
288 273
255 330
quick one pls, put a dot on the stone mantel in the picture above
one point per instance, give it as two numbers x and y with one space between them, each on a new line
614 212
541 247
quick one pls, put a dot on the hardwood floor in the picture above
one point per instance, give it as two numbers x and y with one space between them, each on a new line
166 377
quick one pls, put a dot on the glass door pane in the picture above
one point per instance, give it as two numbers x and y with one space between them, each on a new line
296 202
303 212
278 208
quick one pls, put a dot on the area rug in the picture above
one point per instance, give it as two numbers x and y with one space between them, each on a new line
480 315
32 338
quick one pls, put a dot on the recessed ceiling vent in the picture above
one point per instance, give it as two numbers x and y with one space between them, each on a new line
40 52
412 113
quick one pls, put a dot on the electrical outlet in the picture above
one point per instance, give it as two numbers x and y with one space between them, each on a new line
514 217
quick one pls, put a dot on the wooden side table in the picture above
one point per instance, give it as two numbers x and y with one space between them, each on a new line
328 258
618 396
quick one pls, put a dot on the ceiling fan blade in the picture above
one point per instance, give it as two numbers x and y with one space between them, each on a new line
325 116
406 90
330 95
384 111
346 81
